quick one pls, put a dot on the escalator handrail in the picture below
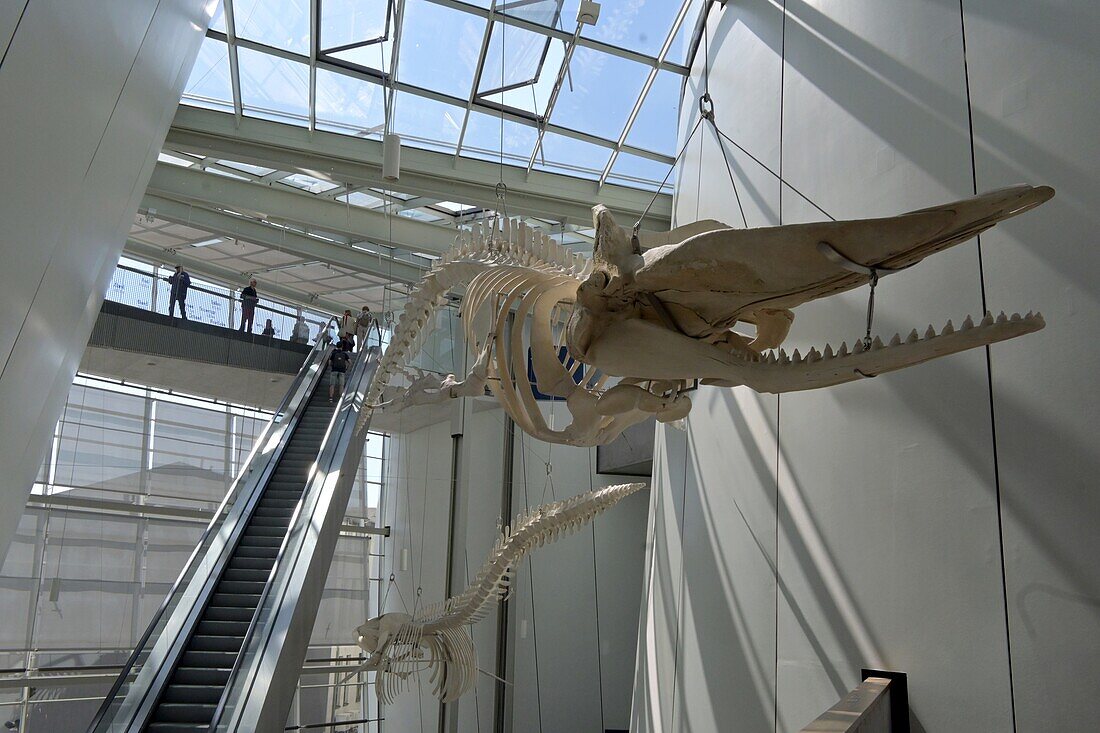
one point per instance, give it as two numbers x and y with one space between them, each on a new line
319 347
362 363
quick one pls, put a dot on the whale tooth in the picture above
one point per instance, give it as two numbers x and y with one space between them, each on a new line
828 351
1029 314
796 357
783 358
930 333
843 350
988 319
1002 318
948 328
896 341
1014 317
814 355
877 344
967 324
914 337
857 347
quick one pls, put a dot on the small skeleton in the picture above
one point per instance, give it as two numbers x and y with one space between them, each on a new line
399 645
651 313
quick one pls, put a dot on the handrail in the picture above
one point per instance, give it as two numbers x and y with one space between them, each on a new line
879 704
108 701
325 456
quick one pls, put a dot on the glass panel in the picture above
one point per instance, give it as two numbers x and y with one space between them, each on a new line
561 154
281 319
279 23
426 123
439 48
522 57
639 172
344 22
677 52
642 25
373 56
349 106
603 92
258 170
100 441
274 88
309 183
217 23
483 139
131 288
550 13
655 127
209 85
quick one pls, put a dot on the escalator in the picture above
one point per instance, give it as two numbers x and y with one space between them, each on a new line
225 649
191 696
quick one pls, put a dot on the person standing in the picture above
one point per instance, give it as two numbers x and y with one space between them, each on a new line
249 299
301 332
338 367
179 283
363 324
347 327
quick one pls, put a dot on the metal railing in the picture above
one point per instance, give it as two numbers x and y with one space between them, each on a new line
216 306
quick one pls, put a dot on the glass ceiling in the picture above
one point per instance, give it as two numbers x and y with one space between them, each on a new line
475 79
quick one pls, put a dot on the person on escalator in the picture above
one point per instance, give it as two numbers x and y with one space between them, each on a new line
338 367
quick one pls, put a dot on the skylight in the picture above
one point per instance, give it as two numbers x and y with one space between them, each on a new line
596 102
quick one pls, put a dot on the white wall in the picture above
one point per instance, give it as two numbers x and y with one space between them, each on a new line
925 520
417 508
87 92
574 612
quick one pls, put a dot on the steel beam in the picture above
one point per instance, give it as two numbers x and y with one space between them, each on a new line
293 243
209 190
562 35
347 159
229 277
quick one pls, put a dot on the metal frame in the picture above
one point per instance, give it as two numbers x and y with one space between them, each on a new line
476 100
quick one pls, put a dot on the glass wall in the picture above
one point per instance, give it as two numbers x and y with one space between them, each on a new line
144 286
132 477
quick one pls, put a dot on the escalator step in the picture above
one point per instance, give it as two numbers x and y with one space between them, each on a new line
208 627
228 613
258 549
205 643
280 502
286 489
251 563
200 694
211 660
217 676
272 512
260 576
261 521
260 541
261 531
235 600
163 727
241 587
174 712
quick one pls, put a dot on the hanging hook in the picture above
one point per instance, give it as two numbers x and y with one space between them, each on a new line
870 308
706 106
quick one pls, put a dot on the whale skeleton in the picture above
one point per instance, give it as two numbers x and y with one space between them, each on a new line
434 638
620 336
